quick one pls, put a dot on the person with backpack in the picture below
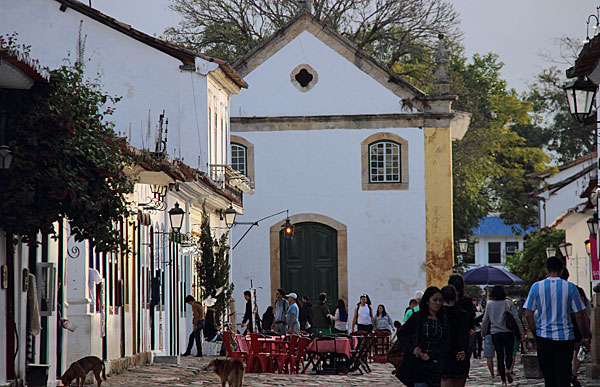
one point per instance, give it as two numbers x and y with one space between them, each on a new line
198 324
281 307
363 315
340 317
247 319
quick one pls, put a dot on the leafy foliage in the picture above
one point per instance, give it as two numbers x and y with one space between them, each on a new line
390 30
213 268
530 263
553 126
492 163
67 161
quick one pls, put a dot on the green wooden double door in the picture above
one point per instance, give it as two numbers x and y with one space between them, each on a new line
309 262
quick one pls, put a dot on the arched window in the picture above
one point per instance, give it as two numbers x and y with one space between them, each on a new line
384 162
239 158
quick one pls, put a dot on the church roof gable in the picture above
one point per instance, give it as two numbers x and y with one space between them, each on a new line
305 21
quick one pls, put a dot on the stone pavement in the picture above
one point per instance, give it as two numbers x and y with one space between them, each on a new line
191 373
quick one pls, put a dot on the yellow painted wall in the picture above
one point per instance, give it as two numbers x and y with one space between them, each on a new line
438 205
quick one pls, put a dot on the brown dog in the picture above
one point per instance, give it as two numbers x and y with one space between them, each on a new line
79 369
230 371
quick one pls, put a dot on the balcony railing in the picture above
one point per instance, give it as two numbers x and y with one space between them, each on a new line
230 179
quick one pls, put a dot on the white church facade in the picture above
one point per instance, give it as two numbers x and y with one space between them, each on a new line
362 160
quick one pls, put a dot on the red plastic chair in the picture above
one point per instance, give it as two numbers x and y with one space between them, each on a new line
256 358
284 360
298 358
239 354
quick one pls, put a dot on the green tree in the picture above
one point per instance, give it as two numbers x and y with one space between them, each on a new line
213 268
530 263
390 30
492 163
553 126
67 162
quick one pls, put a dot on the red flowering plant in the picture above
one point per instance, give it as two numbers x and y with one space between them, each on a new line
67 161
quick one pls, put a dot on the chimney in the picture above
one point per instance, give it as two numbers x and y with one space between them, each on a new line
305 5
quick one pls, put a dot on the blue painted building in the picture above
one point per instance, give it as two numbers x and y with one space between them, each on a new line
494 241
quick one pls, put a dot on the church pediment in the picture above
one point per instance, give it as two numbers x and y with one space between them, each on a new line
302 28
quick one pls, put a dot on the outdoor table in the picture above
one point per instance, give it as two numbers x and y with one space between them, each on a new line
327 352
272 345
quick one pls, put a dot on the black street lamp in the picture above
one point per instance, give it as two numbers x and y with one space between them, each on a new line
230 215
463 246
592 224
588 247
580 96
566 249
288 229
176 218
550 252
5 157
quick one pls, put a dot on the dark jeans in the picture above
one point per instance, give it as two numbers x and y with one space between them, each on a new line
478 344
503 344
555 361
195 336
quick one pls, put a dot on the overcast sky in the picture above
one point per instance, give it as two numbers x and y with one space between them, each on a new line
517 30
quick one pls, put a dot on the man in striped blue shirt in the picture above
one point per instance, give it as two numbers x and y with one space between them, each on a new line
554 299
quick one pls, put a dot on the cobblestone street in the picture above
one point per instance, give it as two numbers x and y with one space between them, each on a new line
191 373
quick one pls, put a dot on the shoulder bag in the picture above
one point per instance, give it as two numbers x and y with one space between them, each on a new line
510 321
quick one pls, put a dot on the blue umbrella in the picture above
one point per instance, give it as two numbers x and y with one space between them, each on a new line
491 275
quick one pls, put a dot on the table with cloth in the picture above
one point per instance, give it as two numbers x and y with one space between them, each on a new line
331 354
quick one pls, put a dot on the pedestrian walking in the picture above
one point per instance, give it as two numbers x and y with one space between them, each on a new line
397 326
425 339
383 320
489 353
340 317
576 332
415 308
466 303
456 364
321 319
247 319
495 322
363 315
281 307
198 325
306 315
554 299
291 316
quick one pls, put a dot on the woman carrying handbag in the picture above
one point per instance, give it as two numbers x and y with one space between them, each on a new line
425 338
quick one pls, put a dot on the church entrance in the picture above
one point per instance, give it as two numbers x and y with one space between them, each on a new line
309 262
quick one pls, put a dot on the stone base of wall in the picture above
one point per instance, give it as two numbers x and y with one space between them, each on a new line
117 366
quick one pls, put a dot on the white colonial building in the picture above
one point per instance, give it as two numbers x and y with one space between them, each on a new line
361 159
174 108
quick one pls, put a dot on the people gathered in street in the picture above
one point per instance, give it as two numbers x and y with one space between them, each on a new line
383 320
425 339
555 299
281 307
456 362
198 325
363 315
340 317
291 316
321 319
306 315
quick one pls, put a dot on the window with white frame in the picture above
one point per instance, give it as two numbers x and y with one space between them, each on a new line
384 162
239 160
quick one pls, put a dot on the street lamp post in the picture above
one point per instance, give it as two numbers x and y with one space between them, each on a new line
550 252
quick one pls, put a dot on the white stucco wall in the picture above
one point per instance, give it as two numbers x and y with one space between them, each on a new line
556 203
342 88
319 171
148 80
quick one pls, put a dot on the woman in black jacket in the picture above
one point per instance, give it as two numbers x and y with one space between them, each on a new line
456 363
425 338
